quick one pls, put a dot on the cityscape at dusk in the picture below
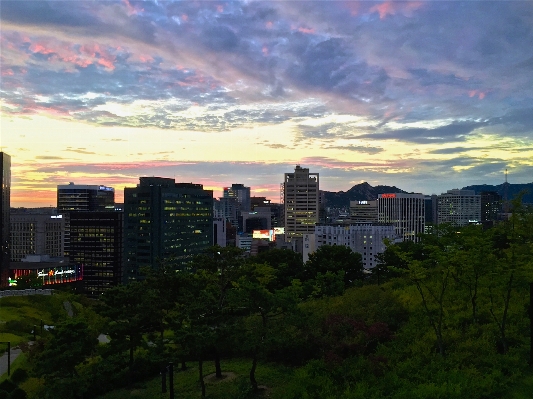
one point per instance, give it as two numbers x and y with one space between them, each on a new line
424 95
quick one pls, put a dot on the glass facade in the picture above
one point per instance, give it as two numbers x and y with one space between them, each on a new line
165 220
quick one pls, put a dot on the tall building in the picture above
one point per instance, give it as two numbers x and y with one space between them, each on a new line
301 202
38 231
5 187
406 212
459 207
363 211
491 206
80 197
242 194
165 220
96 244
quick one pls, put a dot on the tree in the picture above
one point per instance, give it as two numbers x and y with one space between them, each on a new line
215 273
288 265
252 297
131 311
71 344
335 259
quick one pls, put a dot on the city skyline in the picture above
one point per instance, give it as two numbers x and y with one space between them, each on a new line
425 96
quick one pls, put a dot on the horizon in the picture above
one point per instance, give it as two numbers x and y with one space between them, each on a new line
426 96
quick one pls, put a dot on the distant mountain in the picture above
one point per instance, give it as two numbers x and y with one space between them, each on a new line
359 192
512 191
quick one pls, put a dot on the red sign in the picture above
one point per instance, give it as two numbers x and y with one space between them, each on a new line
388 195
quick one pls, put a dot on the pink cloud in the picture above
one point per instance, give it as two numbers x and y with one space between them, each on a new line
220 8
131 9
184 17
265 50
269 25
394 7
83 56
307 31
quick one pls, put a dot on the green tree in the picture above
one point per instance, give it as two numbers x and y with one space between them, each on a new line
336 259
131 311
252 298
71 343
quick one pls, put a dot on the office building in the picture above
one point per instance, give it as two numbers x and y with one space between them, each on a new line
96 244
491 206
363 211
406 212
300 193
459 207
364 238
80 197
219 232
38 231
5 192
242 194
227 208
165 221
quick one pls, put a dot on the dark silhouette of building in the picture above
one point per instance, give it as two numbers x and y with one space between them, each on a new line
5 191
80 197
165 221
96 244
491 206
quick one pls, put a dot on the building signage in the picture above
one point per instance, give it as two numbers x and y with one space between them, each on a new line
264 234
388 195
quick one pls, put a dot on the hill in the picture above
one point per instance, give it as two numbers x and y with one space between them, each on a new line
512 190
359 192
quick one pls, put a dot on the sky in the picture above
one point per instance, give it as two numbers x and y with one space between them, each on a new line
424 95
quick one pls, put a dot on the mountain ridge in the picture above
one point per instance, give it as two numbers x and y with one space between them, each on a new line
366 192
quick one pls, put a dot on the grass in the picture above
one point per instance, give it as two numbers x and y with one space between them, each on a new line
21 362
186 385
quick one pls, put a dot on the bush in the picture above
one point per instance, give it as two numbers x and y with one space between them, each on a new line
19 376
4 394
18 393
7 386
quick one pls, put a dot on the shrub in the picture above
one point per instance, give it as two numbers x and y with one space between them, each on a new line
18 393
19 376
7 386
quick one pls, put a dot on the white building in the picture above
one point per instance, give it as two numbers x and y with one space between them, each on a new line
36 232
406 212
364 238
459 207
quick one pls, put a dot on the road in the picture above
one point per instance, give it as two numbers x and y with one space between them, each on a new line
3 359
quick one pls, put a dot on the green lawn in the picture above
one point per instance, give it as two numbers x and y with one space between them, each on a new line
186 384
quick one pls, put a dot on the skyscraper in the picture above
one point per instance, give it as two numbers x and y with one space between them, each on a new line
242 194
96 244
406 212
165 220
93 234
5 187
301 202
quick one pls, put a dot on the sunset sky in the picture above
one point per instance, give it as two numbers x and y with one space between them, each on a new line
427 96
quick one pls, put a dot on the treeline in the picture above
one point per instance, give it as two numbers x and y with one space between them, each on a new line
445 317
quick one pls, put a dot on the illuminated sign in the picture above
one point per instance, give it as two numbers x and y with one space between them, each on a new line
279 230
388 195
264 234
56 217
